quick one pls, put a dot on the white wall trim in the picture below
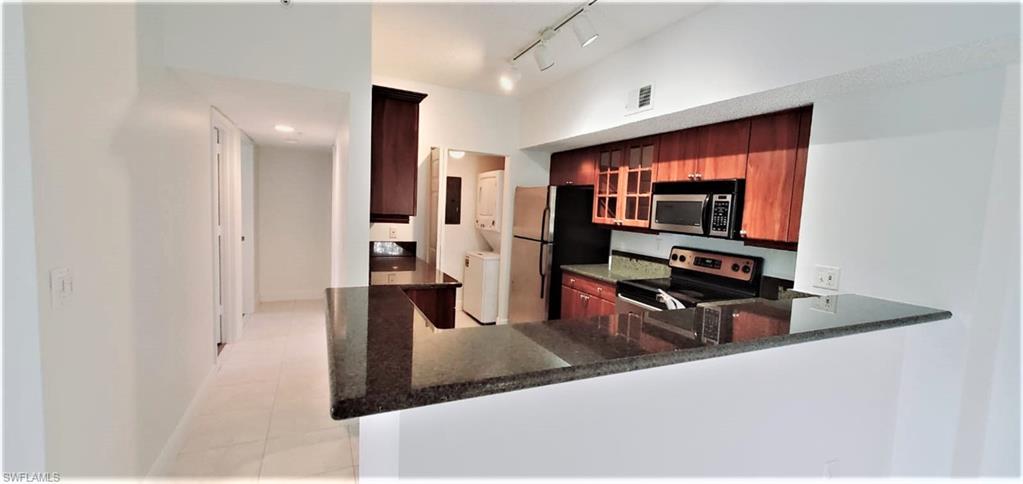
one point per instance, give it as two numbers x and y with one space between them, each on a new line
162 465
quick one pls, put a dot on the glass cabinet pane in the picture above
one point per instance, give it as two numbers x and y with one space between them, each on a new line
644 208
648 156
602 184
644 181
605 159
634 155
616 158
612 207
630 208
601 207
612 183
633 185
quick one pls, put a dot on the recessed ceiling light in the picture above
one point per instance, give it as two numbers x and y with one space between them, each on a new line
509 77
283 128
456 154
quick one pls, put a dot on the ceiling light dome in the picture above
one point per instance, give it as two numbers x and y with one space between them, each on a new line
585 33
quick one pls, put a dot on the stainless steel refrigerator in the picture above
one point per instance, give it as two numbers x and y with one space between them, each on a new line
552 226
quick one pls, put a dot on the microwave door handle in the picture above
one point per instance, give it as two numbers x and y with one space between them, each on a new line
706 215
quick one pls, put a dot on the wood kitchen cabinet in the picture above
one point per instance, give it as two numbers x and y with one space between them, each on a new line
582 297
574 167
775 172
394 154
714 152
625 182
437 304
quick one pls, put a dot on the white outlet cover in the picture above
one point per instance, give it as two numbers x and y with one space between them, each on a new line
826 277
61 286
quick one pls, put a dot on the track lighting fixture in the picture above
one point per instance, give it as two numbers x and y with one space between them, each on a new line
584 31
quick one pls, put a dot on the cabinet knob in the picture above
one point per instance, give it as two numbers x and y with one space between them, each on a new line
690 176
742 233
699 176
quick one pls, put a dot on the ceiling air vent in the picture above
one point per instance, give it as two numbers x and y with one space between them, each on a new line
640 100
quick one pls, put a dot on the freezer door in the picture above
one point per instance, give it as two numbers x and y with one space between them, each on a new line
530 280
533 209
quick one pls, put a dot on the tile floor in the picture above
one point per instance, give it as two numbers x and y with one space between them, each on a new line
266 417
463 320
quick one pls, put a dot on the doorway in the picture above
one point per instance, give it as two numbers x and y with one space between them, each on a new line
217 142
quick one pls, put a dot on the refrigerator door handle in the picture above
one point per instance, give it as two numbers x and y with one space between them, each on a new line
543 223
539 268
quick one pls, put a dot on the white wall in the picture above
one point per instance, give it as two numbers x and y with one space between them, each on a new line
727 51
470 121
926 232
777 263
293 204
464 237
24 437
122 192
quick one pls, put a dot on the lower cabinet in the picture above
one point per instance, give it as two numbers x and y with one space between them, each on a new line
438 305
582 297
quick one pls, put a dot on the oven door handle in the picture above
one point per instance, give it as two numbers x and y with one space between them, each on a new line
637 303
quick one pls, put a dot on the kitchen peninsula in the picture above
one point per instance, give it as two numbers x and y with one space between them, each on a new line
433 292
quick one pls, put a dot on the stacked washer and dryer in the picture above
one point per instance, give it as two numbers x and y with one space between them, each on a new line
479 289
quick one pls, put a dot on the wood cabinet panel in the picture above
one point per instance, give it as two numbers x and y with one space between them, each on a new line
770 175
593 287
393 154
438 305
799 177
569 302
678 155
575 167
724 149
607 308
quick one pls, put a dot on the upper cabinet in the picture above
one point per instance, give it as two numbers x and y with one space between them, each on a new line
394 152
713 152
775 172
574 167
625 182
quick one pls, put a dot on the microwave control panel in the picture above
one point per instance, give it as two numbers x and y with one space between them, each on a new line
721 215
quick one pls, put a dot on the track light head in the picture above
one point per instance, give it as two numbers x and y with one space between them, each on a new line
584 31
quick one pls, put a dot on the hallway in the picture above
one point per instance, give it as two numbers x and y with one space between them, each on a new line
266 415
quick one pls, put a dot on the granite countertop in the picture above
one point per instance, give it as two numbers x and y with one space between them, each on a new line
407 272
385 355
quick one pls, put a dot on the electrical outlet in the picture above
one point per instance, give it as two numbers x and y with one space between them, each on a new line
827 304
61 286
831 468
826 277
392 233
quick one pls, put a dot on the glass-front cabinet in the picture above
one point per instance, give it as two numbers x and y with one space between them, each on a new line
625 182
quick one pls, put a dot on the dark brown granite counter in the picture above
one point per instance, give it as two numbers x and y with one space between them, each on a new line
407 272
385 355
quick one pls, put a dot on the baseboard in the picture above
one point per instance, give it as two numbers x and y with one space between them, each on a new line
164 462
502 320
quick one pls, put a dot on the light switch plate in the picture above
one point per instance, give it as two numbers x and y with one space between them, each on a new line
827 304
61 286
826 277
392 233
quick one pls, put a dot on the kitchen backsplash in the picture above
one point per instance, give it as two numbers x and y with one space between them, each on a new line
777 263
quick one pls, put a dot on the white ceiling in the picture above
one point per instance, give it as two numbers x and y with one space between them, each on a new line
466 46
256 106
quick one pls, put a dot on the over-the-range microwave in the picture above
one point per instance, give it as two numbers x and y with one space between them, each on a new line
711 209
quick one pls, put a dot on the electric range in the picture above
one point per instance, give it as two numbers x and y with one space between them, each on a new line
697 276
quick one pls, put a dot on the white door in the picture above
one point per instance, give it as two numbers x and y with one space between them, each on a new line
248 186
431 252
218 233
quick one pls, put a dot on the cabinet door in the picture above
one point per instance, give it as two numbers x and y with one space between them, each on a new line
607 308
723 150
637 182
769 176
568 302
799 177
678 155
605 194
394 145
575 167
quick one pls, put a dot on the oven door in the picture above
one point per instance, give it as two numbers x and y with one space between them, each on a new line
682 213
628 305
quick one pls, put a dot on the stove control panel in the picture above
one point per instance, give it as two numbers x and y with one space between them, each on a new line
724 265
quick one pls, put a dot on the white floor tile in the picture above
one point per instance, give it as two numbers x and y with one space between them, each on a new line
463 320
299 416
307 454
225 429
239 461
255 397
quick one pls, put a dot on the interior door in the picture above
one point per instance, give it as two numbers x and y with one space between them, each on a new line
218 161
248 189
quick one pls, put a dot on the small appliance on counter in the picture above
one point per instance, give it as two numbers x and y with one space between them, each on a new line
479 291
711 209
489 191
552 227
697 276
